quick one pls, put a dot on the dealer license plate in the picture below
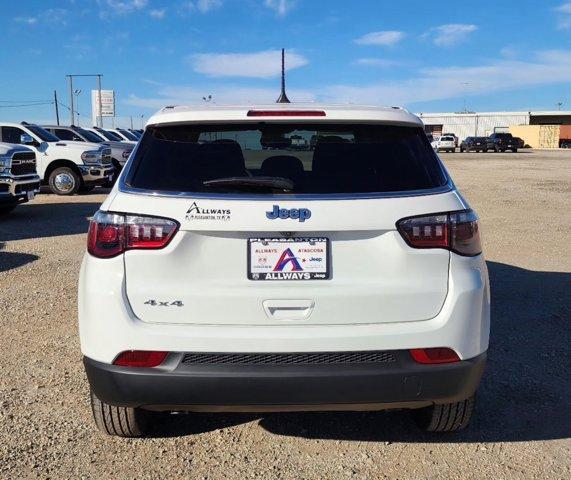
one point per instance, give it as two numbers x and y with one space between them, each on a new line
288 258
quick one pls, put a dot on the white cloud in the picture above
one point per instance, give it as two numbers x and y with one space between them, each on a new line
158 14
377 62
281 7
110 8
222 94
547 67
452 33
543 68
564 8
263 64
27 20
385 38
50 16
564 16
204 6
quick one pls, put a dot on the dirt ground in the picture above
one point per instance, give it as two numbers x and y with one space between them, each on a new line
522 424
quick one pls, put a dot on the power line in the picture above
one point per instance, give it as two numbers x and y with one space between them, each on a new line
27 105
21 101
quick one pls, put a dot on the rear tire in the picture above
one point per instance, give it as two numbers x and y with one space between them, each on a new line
514 150
449 417
119 421
64 181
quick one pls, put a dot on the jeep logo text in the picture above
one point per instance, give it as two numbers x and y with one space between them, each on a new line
301 214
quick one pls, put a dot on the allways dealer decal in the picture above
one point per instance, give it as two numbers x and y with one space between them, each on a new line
199 213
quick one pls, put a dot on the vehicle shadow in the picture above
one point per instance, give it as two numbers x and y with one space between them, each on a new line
41 220
10 260
525 394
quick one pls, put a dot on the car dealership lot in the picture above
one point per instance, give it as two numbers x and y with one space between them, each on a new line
521 428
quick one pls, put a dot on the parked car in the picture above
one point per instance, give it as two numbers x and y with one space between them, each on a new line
445 144
519 142
477 144
137 133
120 151
66 166
123 135
456 139
126 134
19 181
237 278
500 142
105 134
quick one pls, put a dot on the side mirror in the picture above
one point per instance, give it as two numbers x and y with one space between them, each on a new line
26 139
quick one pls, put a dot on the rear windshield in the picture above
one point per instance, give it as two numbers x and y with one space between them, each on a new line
313 159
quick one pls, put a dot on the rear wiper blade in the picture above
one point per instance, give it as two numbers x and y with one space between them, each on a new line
275 183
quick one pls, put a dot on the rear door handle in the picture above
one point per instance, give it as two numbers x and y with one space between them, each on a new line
288 309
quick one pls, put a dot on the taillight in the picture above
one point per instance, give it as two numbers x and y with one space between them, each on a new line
110 234
434 355
140 358
455 231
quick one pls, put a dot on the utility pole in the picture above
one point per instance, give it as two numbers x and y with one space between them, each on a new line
72 110
131 122
57 107
100 109
72 114
559 105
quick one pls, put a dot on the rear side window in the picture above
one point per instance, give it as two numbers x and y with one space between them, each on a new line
313 159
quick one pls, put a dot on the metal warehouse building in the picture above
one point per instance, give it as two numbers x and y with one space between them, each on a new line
483 124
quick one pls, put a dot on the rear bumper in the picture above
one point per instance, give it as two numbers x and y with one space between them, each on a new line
373 386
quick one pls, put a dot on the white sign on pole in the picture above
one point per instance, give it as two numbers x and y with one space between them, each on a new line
107 103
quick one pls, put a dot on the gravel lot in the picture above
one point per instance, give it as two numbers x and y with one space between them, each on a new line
523 420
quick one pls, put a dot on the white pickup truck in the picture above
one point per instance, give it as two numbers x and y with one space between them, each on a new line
19 181
66 166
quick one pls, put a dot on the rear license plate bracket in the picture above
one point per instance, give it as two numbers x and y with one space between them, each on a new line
296 258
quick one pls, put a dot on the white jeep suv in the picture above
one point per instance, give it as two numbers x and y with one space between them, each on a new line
232 269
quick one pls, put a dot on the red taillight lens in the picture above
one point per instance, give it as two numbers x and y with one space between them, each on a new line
425 232
455 231
286 113
140 358
110 234
465 233
434 355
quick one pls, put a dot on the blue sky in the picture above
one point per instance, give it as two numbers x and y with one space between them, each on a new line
427 56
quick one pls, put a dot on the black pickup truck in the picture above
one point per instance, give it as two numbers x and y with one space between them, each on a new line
500 142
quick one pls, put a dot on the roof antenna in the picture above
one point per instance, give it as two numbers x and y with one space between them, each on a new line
283 97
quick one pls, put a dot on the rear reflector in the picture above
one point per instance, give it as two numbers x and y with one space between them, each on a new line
434 355
140 358
286 113
110 234
455 231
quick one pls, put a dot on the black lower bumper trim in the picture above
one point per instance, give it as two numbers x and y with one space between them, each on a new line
400 384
